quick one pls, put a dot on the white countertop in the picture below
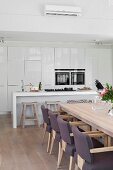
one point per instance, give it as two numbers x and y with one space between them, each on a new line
56 93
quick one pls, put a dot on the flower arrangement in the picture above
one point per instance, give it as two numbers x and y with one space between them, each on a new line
107 93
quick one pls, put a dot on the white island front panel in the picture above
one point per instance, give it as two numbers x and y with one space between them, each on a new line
41 97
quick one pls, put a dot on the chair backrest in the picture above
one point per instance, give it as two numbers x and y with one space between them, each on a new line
65 130
45 114
53 120
83 144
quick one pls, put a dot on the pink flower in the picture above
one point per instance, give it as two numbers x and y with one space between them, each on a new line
104 91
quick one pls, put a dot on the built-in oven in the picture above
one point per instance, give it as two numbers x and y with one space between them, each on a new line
78 77
62 77
69 76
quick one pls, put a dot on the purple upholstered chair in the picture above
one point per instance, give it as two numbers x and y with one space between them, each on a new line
55 129
47 125
88 157
67 141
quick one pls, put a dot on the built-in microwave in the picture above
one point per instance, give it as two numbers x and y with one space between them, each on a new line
69 76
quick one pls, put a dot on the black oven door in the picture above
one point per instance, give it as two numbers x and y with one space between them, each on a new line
62 78
81 78
77 78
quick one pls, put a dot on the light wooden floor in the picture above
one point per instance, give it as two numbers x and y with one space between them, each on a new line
21 149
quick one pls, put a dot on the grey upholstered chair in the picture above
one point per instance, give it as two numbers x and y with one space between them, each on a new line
67 141
90 155
55 134
55 129
47 126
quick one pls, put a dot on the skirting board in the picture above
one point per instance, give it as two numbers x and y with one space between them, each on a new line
4 113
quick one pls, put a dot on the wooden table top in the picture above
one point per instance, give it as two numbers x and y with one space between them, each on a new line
98 118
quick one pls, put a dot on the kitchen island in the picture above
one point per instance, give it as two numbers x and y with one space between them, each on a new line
42 96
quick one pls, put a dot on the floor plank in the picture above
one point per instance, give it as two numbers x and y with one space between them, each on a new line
21 149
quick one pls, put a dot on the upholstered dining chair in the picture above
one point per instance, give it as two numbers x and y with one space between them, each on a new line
55 134
46 125
55 129
90 154
67 139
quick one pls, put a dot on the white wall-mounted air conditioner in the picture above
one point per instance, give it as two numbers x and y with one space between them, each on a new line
62 10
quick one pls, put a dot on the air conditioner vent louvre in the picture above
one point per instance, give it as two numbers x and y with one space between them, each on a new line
62 10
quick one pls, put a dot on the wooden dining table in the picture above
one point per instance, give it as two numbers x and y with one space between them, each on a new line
97 118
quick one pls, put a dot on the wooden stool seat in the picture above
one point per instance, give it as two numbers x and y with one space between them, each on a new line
24 115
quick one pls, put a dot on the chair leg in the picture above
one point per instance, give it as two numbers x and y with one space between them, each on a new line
52 143
34 110
70 162
24 117
43 136
60 157
59 152
76 167
49 141
45 126
21 117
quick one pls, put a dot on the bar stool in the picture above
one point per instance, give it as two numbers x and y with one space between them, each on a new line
52 105
25 117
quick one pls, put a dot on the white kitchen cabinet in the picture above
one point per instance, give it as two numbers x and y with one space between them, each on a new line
48 74
15 65
3 98
32 53
98 66
33 65
66 58
15 72
105 66
32 72
3 79
16 54
11 89
62 58
77 58
91 72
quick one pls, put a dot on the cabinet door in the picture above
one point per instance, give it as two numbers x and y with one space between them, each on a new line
32 53
3 79
15 65
105 66
16 53
98 66
32 72
11 89
77 60
91 72
62 58
48 74
15 72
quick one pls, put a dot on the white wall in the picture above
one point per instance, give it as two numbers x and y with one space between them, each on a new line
91 8
27 16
